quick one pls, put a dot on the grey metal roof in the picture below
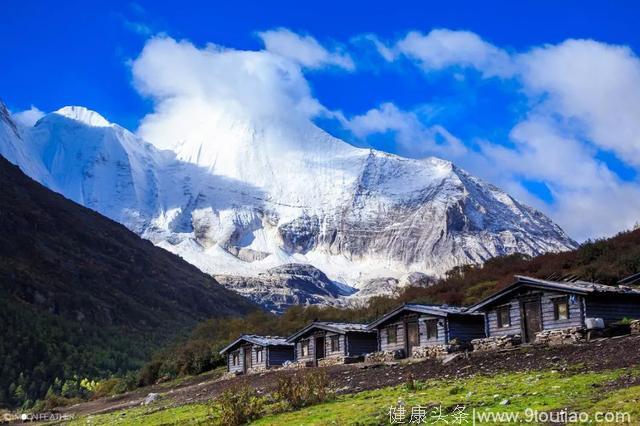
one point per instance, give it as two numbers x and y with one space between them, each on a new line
336 327
577 287
257 340
631 279
435 310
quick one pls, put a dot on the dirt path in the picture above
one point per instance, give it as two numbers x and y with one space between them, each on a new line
593 356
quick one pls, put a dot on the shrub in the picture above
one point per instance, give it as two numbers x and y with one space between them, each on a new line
239 406
107 388
303 389
51 401
410 384
150 373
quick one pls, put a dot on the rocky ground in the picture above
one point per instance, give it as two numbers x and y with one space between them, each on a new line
598 355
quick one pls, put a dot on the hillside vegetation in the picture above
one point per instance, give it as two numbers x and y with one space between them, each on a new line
604 261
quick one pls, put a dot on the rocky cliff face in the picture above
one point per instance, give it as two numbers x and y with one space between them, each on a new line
271 195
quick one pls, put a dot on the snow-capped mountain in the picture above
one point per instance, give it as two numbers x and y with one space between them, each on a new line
263 195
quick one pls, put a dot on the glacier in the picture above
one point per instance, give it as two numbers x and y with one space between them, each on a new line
265 206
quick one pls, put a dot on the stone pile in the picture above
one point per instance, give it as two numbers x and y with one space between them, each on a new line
560 336
635 326
332 360
496 342
436 351
383 356
294 365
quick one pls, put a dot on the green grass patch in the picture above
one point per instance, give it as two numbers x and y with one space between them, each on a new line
191 414
542 391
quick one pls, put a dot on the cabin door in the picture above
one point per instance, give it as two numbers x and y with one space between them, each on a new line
413 337
532 320
319 347
247 359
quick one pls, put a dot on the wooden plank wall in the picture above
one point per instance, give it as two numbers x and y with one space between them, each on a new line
254 356
466 328
492 320
548 320
278 355
327 345
442 331
235 368
384 346
359 344
311 355
612 309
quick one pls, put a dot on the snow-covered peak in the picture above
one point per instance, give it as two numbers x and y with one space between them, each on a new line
84 115
240 197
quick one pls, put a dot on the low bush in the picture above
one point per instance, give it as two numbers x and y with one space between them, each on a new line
107 388
239 406
303 389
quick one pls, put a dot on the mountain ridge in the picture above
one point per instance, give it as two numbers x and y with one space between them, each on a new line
241 199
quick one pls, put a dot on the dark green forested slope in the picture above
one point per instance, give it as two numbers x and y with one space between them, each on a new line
81 295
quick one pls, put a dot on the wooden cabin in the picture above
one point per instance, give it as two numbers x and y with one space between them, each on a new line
530 305
325 343
251 353
413 326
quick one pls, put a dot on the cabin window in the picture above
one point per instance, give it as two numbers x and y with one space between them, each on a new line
560 308
235 358
335 343
504 316
304 348
432 329
259 355
392 334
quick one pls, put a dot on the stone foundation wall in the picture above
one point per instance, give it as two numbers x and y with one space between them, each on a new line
383 356
496 343
635 327
561 336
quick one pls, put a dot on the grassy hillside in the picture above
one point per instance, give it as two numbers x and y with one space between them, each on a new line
82 296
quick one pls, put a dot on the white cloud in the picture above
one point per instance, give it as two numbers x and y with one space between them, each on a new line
197 90
388 53
410 133
138 27
443 48
28 117
595 84
304 50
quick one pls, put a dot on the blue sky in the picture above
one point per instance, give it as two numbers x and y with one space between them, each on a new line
412 103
